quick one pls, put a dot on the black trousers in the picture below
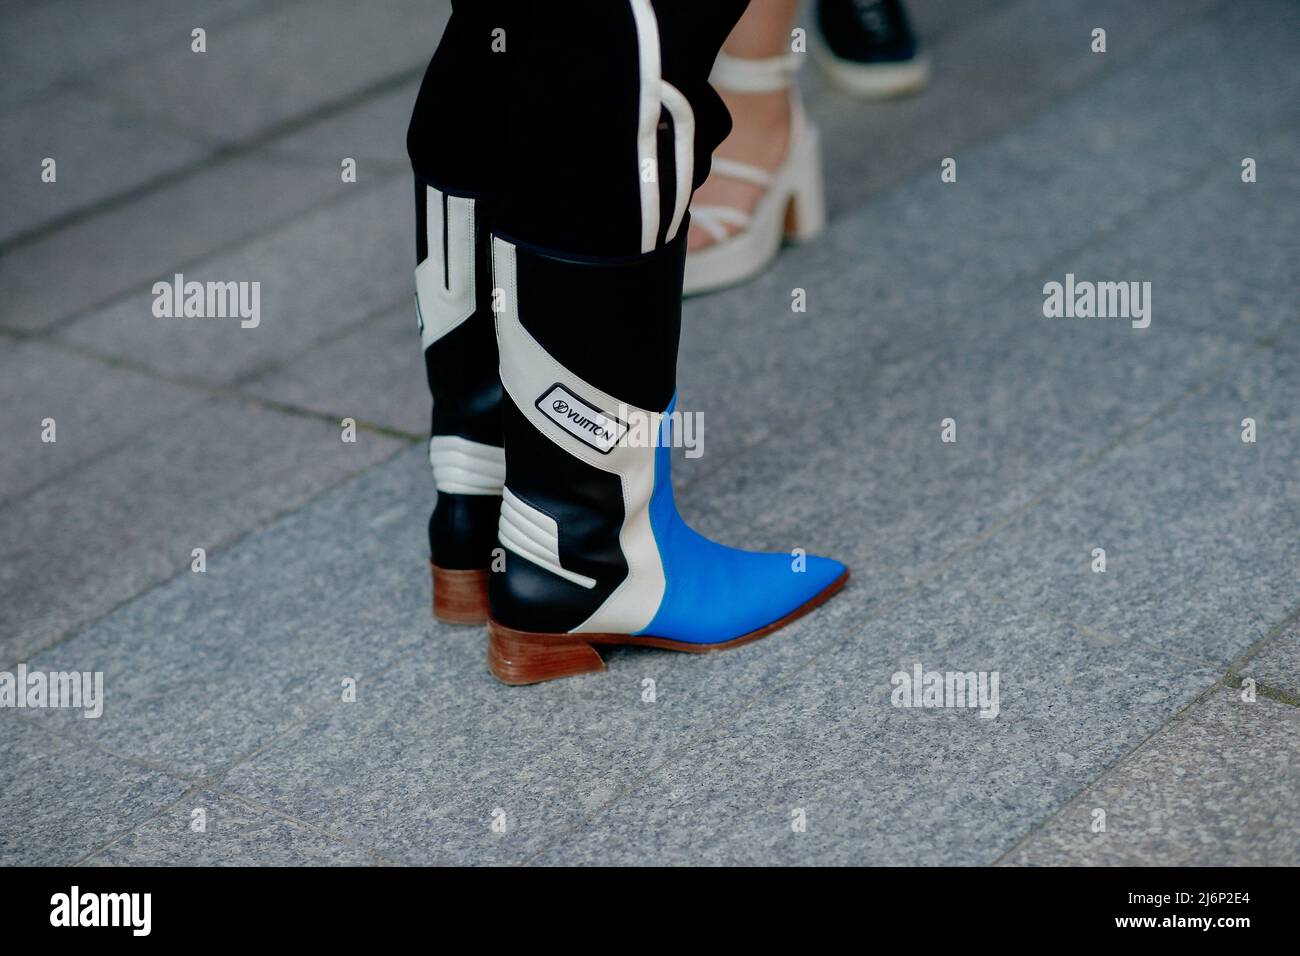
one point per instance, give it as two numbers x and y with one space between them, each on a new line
535 104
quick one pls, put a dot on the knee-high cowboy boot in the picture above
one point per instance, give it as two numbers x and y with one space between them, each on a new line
453 309
596 551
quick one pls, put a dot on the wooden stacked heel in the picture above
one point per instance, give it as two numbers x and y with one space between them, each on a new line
460 597
524 657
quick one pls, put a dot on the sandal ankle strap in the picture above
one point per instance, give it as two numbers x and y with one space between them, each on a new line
743 75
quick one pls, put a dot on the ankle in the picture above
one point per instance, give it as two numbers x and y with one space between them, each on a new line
760 129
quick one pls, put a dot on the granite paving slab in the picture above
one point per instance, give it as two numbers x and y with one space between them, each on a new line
1215 787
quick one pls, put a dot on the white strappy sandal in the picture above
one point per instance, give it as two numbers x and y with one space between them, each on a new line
793 205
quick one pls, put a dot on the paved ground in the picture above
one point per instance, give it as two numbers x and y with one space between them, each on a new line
1150 713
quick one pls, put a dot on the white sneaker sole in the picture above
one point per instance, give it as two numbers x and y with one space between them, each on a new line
872 81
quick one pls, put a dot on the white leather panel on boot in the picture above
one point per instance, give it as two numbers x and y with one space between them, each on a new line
444 290
534 535
464 467
529 372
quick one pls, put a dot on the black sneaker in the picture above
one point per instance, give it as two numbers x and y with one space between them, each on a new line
867 48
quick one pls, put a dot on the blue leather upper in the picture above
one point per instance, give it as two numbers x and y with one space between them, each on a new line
714 593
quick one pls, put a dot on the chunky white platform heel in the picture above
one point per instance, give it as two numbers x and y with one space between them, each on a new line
793 205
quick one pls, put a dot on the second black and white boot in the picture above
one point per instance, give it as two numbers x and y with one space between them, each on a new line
454 313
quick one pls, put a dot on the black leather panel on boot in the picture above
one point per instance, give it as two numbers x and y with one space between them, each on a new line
462 370
612 322
462 366
464 380
587 505
463 531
